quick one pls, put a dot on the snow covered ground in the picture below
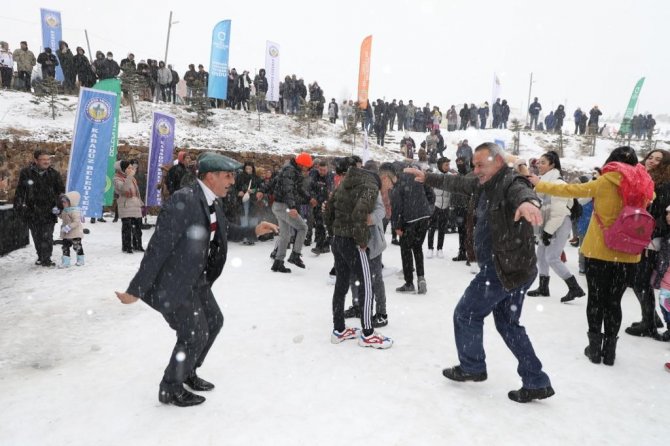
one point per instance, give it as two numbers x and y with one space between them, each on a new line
79 368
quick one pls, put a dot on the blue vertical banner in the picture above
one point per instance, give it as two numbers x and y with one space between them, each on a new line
52 33
91 141
218 62
160 152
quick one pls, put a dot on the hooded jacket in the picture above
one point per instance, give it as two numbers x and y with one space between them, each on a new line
290 186
128 201
348 209
618 180
71 217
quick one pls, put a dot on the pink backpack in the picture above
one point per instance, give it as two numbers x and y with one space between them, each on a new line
631 232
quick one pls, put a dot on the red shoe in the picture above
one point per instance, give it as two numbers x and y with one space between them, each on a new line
563 257
667 366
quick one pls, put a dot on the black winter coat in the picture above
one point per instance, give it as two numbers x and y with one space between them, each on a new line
37 194
49 64
410 201
513 242
289 187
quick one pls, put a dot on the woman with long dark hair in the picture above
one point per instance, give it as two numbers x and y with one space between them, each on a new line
608 271
554 231
657 163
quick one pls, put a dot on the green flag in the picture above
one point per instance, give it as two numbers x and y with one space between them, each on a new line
113 85
627 118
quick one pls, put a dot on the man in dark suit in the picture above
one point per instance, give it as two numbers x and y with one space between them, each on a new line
185 256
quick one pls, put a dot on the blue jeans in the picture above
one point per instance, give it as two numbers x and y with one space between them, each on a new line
484 295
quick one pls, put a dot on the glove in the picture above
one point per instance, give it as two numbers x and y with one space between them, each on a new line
546 238
55 210
66 229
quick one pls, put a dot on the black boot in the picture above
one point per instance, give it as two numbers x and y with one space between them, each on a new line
543 289
278 267
296 260
594 350
609 350
574 290
642 330
524 395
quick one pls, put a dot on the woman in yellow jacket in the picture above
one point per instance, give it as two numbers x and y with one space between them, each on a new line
608 272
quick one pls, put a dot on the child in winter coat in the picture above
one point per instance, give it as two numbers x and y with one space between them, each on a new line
72 230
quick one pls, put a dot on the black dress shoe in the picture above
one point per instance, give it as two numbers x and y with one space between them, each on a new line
197 383
139 248
456 373
524 395
181 398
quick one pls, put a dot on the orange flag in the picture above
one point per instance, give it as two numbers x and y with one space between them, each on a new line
364 72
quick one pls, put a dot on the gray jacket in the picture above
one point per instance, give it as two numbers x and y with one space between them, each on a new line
377 242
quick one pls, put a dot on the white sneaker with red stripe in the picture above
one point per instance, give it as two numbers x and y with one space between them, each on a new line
349 333
375 340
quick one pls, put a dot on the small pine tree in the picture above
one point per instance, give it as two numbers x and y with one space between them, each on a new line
200 104
47 92
306 116
132 83
516 126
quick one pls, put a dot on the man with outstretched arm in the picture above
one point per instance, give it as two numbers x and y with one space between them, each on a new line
185 256
507 207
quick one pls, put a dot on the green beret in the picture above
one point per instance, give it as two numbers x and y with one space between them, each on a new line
214 162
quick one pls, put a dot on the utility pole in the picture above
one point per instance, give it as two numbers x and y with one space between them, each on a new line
530 87
88 45
167 42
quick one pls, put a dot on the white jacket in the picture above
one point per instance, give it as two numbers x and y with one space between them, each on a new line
554 209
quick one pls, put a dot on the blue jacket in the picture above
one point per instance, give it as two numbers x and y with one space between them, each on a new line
585 219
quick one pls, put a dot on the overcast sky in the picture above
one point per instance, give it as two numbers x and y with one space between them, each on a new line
581 52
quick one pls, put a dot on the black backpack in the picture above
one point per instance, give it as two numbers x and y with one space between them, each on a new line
576 210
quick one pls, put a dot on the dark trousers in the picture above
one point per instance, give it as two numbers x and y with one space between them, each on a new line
401 123
43 238
25 77
74 243
411 248
486 295
320 238
197 321
606 282
438 222
641 284
464 124
173 93
351 263
6 75
533 121
131 233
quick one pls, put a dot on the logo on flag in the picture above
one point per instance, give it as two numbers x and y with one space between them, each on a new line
273 51
51 20
98 110
163 126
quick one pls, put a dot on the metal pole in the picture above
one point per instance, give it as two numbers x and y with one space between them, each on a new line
88 45
167 42
530 87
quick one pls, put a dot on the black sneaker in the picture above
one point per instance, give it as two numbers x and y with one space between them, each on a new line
406 288
380 320
278 267
273 254
459 259
47 263
395 242
456 373
307 242
38 262
296 260
102 220
352 312
524 395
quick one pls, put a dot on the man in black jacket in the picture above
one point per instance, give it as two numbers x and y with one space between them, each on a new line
177 172
411 209
48 62
184 258
36 202
321 183
505 249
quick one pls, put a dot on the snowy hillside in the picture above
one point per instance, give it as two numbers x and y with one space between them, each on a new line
21 117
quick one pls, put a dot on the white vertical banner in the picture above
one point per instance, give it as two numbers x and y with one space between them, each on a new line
365 154
496 89
272 70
